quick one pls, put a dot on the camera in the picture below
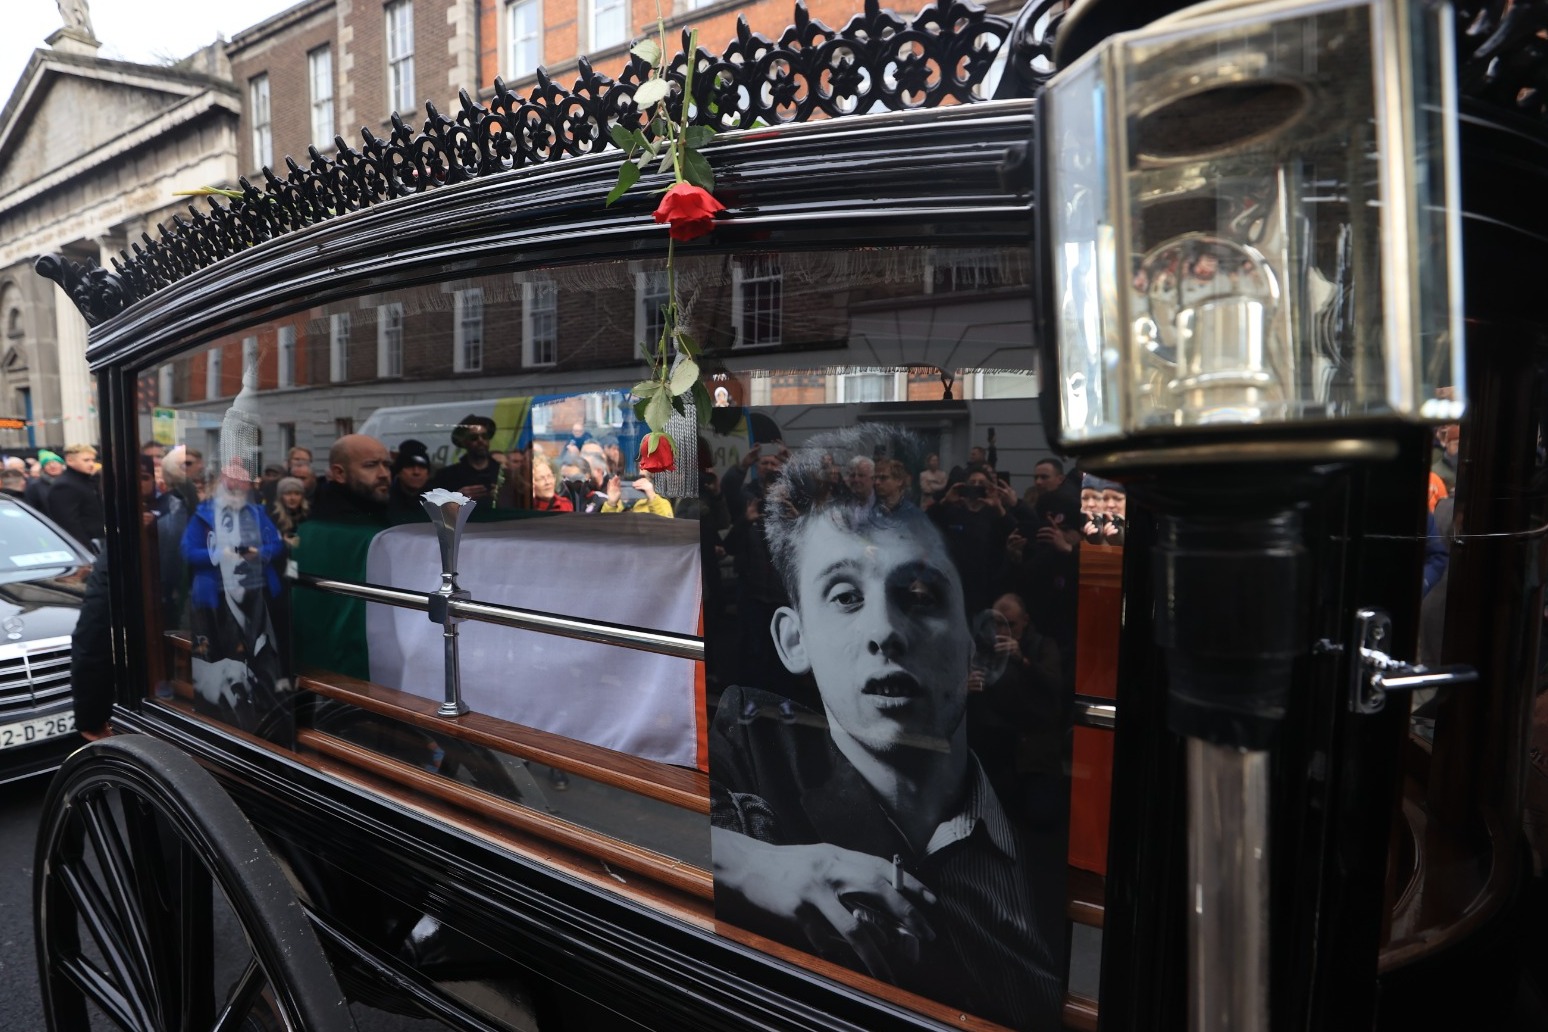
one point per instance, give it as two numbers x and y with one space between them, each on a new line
973 491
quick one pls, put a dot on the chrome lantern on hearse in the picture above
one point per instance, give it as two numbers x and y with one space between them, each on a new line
1250 219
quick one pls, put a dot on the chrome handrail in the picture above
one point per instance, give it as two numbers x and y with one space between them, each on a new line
665 643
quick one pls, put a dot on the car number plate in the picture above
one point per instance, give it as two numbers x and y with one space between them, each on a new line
26 732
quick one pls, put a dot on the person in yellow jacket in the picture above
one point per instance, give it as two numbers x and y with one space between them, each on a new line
651 503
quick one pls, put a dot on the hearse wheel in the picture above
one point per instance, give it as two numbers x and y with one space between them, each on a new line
157 906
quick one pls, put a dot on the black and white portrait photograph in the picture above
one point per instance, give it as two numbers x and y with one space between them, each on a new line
875 799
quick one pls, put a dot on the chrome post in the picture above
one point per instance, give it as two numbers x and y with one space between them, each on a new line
1228 874
449 512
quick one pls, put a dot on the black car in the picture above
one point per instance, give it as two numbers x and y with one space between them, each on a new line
42 581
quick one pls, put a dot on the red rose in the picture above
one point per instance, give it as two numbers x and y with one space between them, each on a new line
656 454
690 210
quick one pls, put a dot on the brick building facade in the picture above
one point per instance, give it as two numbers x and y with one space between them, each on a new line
452 45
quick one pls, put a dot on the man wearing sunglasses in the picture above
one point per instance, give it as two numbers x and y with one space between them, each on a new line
475 474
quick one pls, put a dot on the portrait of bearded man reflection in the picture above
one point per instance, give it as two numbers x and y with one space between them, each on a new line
867 831
231 547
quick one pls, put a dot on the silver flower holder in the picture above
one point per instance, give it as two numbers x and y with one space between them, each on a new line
449 512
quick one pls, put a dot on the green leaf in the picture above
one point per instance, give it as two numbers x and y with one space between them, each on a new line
659 127
698 135
687 345
658 409
697 171
678 406
701 400
684 375
651 92
647 50
628 175
646 388
643 158
639 409
667 157
624 138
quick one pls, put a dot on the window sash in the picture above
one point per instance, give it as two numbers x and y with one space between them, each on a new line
468 355
320 68
287 356
389 340
757 300
400 55
525 26
263 135
338 347
609 23
650 294
539 323
212 374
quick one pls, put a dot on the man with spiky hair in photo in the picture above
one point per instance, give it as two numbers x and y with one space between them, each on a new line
867 831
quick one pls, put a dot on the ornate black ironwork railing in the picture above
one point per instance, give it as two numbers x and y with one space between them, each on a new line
878 61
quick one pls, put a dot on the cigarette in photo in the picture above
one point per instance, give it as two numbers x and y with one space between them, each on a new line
897 871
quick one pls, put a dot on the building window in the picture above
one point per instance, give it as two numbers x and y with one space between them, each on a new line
867 387
287 356
165 378
757 300
539 323
400 55
287 441
338 347
468 352
650 296
263 129
389 340
212 374
525 26
964 268
320 66
249 354
609 23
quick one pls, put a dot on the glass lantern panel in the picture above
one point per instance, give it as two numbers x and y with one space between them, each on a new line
1254 247
1084 263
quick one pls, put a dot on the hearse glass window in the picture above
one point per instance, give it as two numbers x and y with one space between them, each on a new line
1479 576
866 532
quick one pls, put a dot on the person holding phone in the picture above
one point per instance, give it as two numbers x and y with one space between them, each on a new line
648 500
973 518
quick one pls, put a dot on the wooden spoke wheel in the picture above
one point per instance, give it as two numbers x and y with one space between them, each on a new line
159 909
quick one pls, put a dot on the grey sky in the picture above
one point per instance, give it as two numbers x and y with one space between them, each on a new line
152 31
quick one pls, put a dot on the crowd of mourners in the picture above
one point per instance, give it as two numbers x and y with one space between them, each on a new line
1016 552
62 487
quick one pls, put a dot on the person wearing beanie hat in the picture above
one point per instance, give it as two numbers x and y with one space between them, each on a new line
410 477
290 509
75 502
50 465
476 474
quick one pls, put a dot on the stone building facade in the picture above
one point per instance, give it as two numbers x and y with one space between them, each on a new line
91 152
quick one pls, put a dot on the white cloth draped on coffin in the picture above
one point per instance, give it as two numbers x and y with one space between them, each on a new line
626 568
